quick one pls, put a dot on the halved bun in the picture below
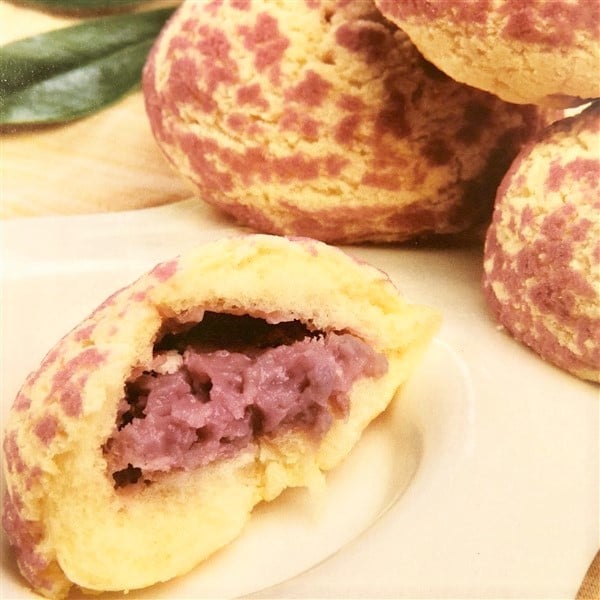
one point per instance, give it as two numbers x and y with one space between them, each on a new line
70 522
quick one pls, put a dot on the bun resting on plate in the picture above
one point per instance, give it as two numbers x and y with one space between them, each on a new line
213 382
321 118
542 251
545 52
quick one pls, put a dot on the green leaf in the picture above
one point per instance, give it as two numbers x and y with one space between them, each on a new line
81 5
72 72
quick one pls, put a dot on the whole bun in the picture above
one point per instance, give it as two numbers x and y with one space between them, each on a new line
148 434
542 252
322 119
545 52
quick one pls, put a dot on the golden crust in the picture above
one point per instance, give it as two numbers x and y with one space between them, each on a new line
69 523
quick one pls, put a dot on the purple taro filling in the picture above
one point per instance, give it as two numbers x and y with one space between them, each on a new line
226 380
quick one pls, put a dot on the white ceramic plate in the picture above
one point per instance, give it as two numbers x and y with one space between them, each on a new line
480 481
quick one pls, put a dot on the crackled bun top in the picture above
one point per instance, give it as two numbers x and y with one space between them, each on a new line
545 52
542 253
321 118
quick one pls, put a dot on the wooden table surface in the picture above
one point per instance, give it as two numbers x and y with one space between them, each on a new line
106 162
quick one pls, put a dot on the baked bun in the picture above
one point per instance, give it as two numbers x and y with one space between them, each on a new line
545 52
210 384
322 119
542 252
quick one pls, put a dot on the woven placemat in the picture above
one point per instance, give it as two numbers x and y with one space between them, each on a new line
590 588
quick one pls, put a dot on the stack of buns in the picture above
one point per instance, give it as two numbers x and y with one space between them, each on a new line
347 121
379 121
